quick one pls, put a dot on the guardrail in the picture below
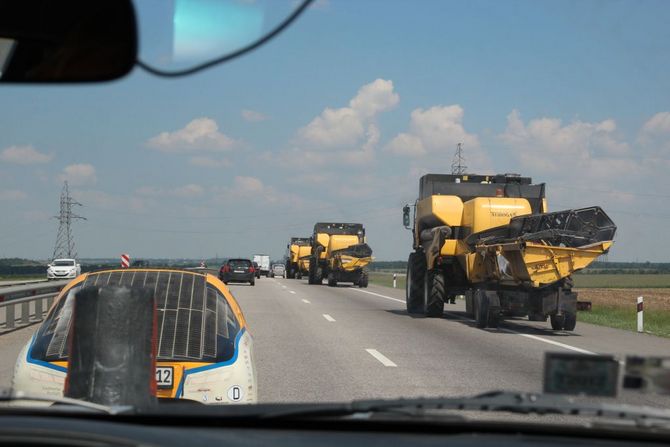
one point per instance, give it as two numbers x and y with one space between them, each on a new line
25 305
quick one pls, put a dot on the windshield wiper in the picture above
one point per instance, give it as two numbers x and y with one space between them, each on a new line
497 401
8 395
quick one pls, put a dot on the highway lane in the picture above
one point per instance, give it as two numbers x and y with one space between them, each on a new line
316 343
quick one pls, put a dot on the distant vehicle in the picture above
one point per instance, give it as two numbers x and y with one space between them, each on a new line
238 270
263 263
217 351
277 270
63 269
257 269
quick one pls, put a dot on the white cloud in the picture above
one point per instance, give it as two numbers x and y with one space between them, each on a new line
12 194
201 134
207 162
252 116
246 187
186 191
79 174
437 129
346 135
24 155
658 124
545 145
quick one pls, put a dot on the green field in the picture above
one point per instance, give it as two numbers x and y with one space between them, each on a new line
386 279
655 323
622 281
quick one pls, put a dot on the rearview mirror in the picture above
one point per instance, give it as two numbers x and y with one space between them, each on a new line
405 216
66 41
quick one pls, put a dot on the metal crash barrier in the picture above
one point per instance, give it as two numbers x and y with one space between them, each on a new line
26 304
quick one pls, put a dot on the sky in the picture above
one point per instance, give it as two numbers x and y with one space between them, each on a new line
336 120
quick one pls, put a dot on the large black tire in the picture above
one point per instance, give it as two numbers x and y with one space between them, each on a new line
569 321
434 292
480 304
311 276
252 282
557 322
363 280
298 275
416 271
332 282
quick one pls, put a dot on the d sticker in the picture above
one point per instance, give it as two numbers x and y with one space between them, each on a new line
235 393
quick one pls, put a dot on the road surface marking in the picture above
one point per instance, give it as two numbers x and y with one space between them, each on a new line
305 301
551 342
328 318
291 291
283 286
381 357
379 295
532 337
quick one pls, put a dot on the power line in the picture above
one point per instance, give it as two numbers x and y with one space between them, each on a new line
64 247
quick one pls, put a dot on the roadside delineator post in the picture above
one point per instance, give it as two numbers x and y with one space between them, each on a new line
394 280
640 316
125 260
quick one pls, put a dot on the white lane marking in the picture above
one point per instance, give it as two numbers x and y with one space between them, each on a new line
532 337
381 357
291 291
328 318
379 295
283 286
551 342
306 301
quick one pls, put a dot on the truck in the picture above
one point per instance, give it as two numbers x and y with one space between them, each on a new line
263 262
492 240
340 253
298 252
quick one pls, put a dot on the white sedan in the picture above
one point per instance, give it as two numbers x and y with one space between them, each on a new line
63 269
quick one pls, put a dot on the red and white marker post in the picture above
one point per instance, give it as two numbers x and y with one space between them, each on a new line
125 261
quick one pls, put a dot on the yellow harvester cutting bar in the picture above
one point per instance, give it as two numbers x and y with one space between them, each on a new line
536 262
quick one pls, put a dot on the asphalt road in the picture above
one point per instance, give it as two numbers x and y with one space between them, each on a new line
316 343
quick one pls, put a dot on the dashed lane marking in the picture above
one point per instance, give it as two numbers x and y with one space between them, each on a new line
381 357
328 318
306 301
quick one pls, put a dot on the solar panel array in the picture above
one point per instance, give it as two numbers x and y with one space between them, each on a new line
189 313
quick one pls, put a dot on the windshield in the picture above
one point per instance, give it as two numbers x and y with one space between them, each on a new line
449 192
63 263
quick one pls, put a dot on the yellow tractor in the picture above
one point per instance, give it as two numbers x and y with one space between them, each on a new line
340 254
297 257
491 239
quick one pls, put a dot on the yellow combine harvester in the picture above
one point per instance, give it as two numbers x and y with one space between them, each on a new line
297 257
492 240
340 254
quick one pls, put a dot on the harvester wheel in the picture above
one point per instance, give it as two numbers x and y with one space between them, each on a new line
434 294
416 271
311 278
569 321
363 280
480 302
298 275
557 322
332 282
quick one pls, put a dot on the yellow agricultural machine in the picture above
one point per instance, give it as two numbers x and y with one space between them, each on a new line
297 257
492 240
340 254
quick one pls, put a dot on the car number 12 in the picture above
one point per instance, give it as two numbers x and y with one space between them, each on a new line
164 376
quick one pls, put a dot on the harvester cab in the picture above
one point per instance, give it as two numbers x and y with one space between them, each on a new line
298 250
340 253
492 240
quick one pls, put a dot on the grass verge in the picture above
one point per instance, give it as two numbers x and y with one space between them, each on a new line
386 280
655 322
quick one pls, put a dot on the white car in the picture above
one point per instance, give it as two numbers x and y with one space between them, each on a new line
63 269
204 350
